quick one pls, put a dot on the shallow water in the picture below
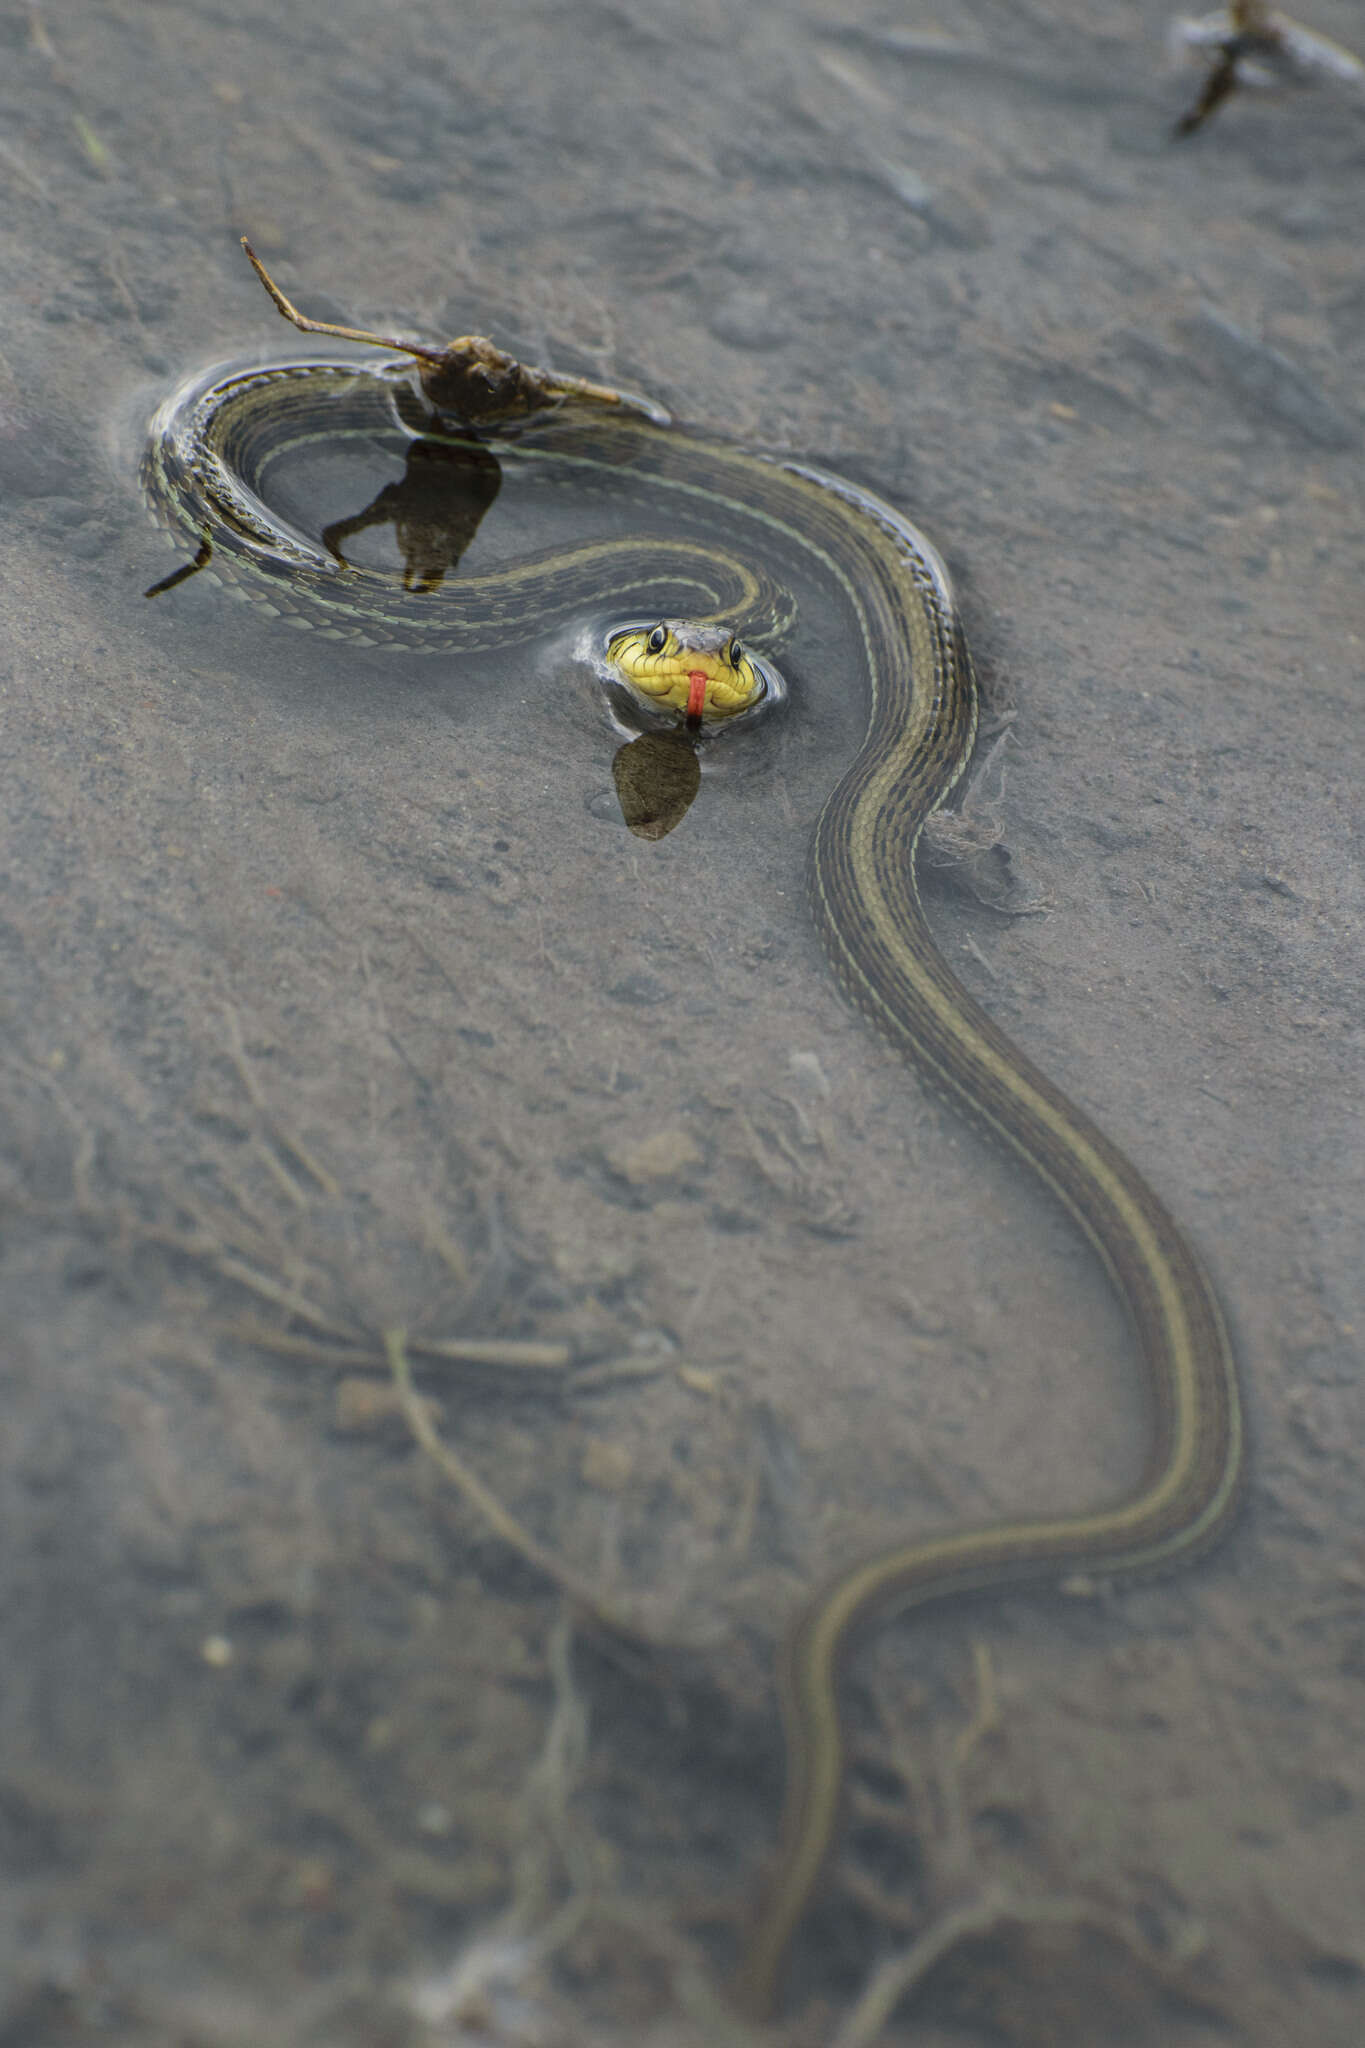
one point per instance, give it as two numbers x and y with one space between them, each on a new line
338 999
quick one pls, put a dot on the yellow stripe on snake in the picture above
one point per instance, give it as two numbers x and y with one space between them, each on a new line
715 532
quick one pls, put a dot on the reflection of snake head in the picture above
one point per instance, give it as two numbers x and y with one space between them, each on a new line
702 671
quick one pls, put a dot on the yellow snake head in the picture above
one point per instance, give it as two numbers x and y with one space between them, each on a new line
701 671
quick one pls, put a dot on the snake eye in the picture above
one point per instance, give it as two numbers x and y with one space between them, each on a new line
655 642
734 654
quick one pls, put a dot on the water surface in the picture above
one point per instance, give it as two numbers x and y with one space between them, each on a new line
337 999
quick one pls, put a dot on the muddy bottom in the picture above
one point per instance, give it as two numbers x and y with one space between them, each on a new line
433 1215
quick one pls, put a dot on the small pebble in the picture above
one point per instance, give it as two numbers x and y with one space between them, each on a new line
747 319
663 1156
606 1465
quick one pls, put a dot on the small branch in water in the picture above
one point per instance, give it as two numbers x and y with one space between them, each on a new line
586 1597
470 378
306 325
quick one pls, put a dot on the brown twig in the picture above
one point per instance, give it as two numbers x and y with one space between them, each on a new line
469 378
306 325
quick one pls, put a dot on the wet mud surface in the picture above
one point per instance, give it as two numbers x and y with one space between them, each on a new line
337 1001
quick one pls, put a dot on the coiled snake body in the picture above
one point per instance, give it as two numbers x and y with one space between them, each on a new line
718 527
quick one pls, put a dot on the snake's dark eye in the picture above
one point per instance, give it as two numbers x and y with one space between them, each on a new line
655 642
734 654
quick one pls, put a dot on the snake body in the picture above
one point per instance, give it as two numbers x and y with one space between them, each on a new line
206 472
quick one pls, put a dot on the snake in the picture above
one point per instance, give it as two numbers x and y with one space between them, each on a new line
717 531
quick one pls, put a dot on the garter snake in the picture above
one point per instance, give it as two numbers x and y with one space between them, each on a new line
208 472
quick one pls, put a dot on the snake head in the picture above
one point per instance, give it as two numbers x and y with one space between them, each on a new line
702 671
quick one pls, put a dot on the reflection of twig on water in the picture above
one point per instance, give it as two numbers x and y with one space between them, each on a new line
1249 45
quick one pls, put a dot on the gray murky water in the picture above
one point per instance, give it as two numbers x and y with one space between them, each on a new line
337 1000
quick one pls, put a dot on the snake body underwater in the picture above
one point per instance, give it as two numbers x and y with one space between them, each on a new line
714 530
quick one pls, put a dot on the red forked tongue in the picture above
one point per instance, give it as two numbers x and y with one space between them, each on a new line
696 691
